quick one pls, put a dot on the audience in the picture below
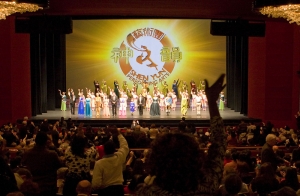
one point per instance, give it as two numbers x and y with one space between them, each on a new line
84 188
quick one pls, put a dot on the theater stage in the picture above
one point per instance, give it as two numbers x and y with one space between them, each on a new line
229 116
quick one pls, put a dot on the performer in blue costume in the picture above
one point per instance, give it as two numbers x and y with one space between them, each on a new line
175 86
88 111
81 105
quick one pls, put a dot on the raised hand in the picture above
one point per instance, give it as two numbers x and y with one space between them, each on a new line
214 90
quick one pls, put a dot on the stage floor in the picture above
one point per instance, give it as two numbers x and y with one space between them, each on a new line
229 116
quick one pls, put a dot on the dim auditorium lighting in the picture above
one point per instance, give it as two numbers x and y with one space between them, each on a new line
287 9
20 6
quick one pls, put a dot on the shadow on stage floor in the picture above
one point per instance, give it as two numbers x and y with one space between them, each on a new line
229 117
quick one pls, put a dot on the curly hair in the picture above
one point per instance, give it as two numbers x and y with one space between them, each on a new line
176 162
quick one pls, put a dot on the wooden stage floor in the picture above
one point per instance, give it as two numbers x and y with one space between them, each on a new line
229 116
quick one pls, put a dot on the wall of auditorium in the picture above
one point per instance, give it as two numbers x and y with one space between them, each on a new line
273 80
15 99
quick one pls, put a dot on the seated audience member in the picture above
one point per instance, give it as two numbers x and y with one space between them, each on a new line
266 181
30 188
227 157
175 159
7 179
17 193
78 161
61 175
21 175
43 164
226 188
233 163
107 174
84 188
285 191
290 179
267 153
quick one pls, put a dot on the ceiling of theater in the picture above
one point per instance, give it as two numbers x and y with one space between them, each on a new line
202 9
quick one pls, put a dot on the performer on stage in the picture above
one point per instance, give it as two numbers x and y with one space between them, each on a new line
132 106
184 87
148 101
123 105
88 111
114 103
154 108
155 89
72 97
222 100
116 88
141 103
193 86
97 86
146 86
194 102
63 106
201 86
162 101
135 87
98 104
81 103
204 101
174 99
104 87
175 87
135 98
198 103
184 104
168 102
92 96
105 105
165 88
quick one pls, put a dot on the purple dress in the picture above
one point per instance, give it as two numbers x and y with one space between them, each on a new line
132 106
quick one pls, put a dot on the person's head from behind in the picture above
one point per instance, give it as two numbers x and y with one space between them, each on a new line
109 147
174 155
17 193
286 191
233 184
41 139
84 187
266 169
271 139
78 145
291 177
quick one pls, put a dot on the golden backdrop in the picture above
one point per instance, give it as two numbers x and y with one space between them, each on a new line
139 50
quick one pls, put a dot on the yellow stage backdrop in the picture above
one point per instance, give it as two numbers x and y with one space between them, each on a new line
143 50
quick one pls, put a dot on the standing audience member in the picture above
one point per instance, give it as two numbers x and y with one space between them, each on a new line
175 159
107 176
78 161
267 153
43 164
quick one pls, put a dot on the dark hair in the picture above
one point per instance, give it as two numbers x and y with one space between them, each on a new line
291 178
234 154
267 170
109 147
233 184
176 162
41 138
285 191
77 145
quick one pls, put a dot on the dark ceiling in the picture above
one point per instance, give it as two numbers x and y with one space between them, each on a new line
200 9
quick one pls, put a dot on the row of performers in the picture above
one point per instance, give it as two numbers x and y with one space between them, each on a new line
178 85
154 104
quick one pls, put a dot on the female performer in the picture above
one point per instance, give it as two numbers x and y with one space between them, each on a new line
148 101
168 102
105 105
98 104
63 95
222 100
165 88
88 111
204 101
81 103
132 106
154 108
135 98
194 103
184 105
198 103
162 101
122 108
174 101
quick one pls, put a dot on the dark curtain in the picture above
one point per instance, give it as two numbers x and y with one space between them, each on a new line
237 73
48 71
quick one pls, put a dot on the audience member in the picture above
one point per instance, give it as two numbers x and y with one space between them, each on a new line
175 159
290 179
107 174
84 188
42 163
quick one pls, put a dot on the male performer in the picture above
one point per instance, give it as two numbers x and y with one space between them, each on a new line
114 101
72 100
168 102
141 102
